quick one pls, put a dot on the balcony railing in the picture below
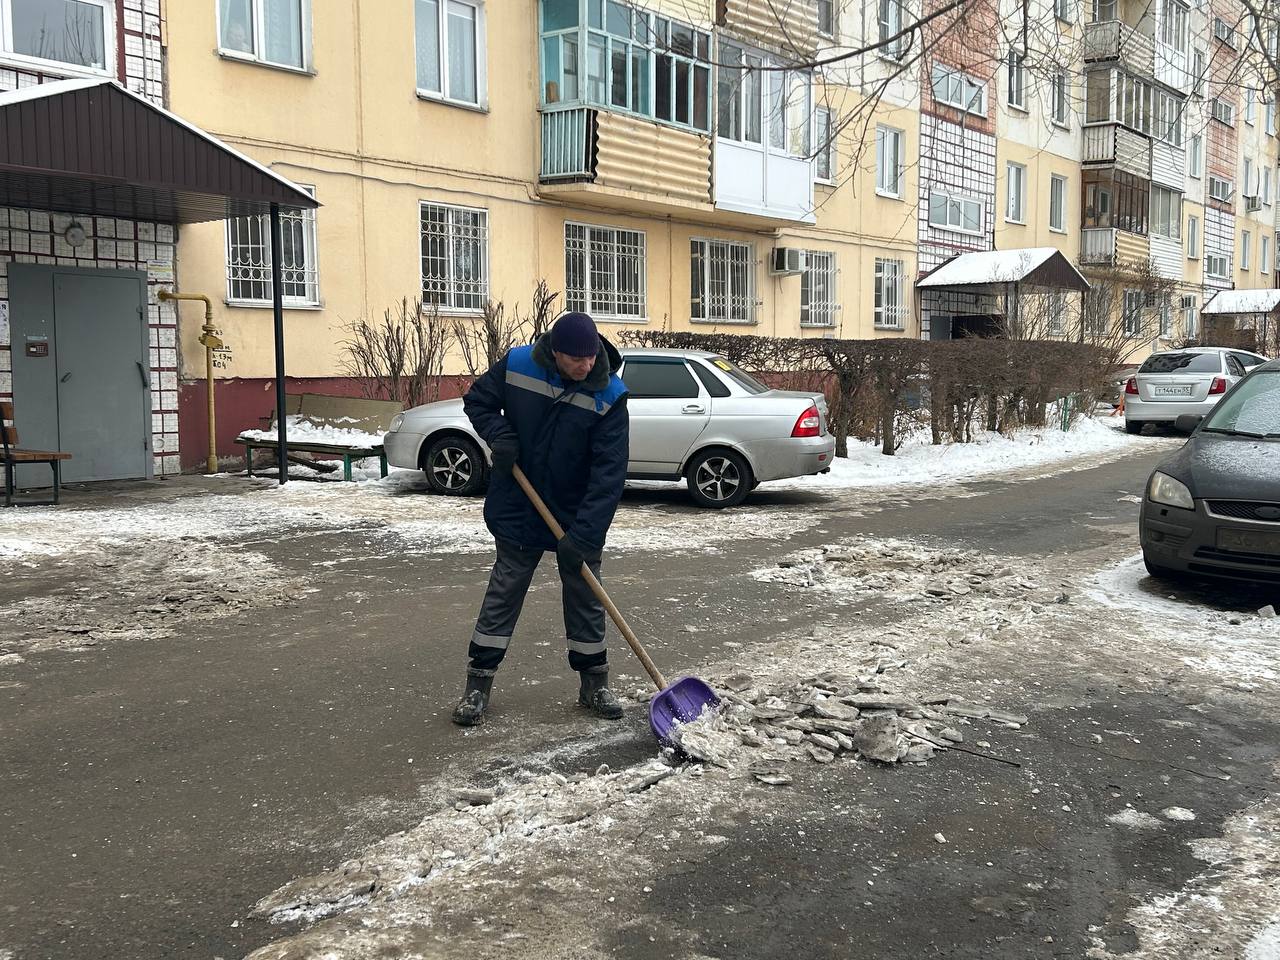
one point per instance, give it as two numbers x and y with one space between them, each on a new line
568 143
1116 40
1098 245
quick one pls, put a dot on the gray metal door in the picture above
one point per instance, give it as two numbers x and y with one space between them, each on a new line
80 369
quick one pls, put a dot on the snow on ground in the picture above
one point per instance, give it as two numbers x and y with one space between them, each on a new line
1238 644
1089 443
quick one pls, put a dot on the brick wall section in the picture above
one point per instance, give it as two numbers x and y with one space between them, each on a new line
969 44
36 236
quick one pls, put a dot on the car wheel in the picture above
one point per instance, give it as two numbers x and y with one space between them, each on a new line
1162 573
454 466
719 478
1134 426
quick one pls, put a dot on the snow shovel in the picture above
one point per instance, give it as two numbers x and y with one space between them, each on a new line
682 702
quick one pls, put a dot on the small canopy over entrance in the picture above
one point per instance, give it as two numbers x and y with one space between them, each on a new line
1243 302
94 148
991 293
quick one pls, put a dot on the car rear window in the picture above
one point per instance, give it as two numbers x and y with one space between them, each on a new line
1182 363
740 376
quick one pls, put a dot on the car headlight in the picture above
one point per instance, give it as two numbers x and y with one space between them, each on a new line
1174 493
397 422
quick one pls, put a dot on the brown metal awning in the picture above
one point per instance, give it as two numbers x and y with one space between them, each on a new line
1032 267
92 147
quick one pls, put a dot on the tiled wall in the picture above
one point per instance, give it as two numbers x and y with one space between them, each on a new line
36 236
1220 237
964 161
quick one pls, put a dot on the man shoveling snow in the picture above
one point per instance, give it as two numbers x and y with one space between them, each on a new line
559 410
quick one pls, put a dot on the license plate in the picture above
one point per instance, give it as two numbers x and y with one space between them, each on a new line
1249 541
1168 391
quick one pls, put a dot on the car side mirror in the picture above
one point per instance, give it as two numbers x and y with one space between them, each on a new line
1187 422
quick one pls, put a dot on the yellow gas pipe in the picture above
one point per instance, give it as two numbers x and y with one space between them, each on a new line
211 343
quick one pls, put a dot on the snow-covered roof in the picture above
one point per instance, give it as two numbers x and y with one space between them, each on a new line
1044 265
1243 301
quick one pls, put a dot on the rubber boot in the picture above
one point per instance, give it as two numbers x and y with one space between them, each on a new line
475 699
595 695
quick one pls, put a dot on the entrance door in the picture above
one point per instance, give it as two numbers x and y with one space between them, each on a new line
81 369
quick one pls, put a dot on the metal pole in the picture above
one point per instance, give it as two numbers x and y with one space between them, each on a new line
277 310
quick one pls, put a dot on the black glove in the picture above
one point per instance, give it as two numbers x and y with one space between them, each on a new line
503 452
571 554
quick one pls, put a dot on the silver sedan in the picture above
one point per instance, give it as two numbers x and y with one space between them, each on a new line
694 416
1177 382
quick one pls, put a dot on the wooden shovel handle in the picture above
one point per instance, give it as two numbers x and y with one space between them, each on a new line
596 587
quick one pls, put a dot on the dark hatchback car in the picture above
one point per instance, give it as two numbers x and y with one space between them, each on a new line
1214 508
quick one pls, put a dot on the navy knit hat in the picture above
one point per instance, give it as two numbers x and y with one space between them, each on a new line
575 334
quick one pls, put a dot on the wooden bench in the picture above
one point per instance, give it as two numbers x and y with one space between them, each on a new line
12 455
371 416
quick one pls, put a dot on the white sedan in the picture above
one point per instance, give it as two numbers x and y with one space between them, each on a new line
694 416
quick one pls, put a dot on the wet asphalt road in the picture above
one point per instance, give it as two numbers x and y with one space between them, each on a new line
153 791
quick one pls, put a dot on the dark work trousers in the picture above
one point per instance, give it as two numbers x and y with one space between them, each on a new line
503 600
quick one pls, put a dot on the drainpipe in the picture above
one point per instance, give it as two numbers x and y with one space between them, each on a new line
211 343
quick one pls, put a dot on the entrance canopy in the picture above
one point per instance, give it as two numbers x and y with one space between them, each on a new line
92 147
1034 267
1243 302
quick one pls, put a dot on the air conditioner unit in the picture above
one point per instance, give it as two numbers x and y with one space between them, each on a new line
787 261
1253 203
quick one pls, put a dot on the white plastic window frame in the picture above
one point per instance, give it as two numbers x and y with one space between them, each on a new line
1193 237
1016 198
959 199
61 67
480 54
259 41
1246 249
1015 66
1060 182
1264 254
883 134
889 275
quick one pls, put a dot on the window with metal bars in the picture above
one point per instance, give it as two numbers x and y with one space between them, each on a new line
722 282
249 258
604 272
455 256
891 297
818 290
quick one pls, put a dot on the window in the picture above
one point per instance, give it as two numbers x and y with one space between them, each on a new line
277 32
1061 98
818 290
1224 31
1016 88
1097 96
1189 316
1219 189
1166 319
1167 119
954 212
1194 156
451 50
824 145
891 298
1246 188
1224 112
1193 238
659 380
1198 61
1246 243
1249 104
1217 265
1104 10
1132 315
1016 193
888 161
1266 186
1057 203
629 60
738 94
715 386
1057 307
1166 213
455 256
826 18
1064 10
1269 112
1173 26
1127 197
958 90
889 21
604 272
249 258
722 281
1264 254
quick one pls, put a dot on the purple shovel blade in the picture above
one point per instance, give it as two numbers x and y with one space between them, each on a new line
682 702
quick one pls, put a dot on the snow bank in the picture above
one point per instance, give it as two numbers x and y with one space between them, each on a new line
300 430
918 461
